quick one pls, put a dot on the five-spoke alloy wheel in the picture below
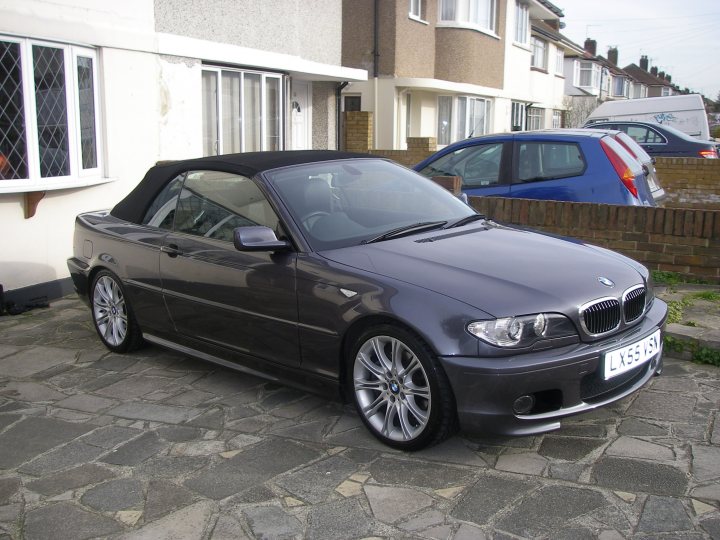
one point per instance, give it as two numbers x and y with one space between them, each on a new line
400 391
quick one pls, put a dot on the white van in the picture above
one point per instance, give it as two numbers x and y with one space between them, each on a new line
686 113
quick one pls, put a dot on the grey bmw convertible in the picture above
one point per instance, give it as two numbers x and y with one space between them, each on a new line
345 272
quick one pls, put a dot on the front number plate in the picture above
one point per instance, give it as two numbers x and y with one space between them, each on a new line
619 361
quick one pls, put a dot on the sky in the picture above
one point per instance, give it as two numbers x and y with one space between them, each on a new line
680 37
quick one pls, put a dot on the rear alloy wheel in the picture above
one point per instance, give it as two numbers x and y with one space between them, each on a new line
401 392
112 316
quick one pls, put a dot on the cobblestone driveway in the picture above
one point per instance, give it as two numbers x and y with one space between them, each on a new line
155 445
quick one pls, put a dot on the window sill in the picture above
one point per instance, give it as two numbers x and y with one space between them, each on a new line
538 69
523 46
464 26
417 19
25 186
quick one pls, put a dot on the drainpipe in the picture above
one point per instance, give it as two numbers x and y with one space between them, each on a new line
376 67
338 113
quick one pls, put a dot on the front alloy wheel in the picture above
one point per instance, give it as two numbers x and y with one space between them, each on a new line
397 387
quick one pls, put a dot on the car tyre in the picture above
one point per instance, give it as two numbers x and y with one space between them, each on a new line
112 315
399 388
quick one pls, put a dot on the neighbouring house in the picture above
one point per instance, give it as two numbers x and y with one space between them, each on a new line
656 86
450 69
94 93
617 84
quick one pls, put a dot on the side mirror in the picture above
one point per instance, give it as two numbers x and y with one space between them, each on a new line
258 238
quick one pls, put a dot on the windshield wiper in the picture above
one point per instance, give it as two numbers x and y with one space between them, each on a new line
407 229
464 221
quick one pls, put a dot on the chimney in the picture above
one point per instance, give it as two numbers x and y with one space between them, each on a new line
591 46
661 74
653 71
644 63
613 55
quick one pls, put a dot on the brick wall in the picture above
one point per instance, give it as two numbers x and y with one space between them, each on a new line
671 239
357 131
418 148
690 182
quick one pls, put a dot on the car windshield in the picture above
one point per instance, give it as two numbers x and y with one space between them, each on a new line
347 202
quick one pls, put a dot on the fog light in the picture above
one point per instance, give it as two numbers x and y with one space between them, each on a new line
524 404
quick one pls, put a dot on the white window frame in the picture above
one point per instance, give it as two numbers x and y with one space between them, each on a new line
539 53
444 141
517 115
559 61
535 118
594 70
469 14
415 10
263 106
77 177
522 22
666 91
463 116
557 119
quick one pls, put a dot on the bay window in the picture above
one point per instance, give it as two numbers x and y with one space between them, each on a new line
242 111
539 53
472 117
559 61
587 74
478 14
534 118
522 22
49 117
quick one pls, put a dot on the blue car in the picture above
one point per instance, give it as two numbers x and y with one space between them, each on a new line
562 165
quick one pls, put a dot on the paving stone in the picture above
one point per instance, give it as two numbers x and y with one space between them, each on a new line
633 476
664 514
153 412
418 473
190 398
630 447
584 430
67 521
281 397
488 496
71 454
298 408
272 522
528 463
469 532
7 419
102 380
243 440
115 362
81 476
31 360
163 497
392 504
226 382
342 519
228 528
568 448
574 533
110 436
86 403
639 428
190 522
712 526
31 392
316 482
550 508
705 462
663 406
8 488
8 350
115 495
198 448
171 467
252 466
454 450
424 520
213 419
567 471
441 532
10 513
700 508
179 433
675 384
33 436
134 386
360 455
75 377
136 451
255 495
309 431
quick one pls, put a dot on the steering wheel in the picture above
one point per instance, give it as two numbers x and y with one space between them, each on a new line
309 220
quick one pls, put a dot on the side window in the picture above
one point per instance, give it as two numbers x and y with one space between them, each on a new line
548 160
212 204
478 166
654 137
162 210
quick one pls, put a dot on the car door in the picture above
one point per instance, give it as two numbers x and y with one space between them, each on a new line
239 300
482 168
649 139
551 170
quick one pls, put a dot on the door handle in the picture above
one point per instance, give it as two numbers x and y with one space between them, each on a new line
171 250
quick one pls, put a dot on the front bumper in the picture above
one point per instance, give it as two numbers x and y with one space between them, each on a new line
564 382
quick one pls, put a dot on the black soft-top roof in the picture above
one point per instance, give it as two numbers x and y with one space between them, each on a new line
132 208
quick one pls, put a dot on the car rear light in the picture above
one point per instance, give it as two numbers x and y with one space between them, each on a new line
710 154
623 169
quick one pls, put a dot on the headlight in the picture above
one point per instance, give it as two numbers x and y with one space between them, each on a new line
522 331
